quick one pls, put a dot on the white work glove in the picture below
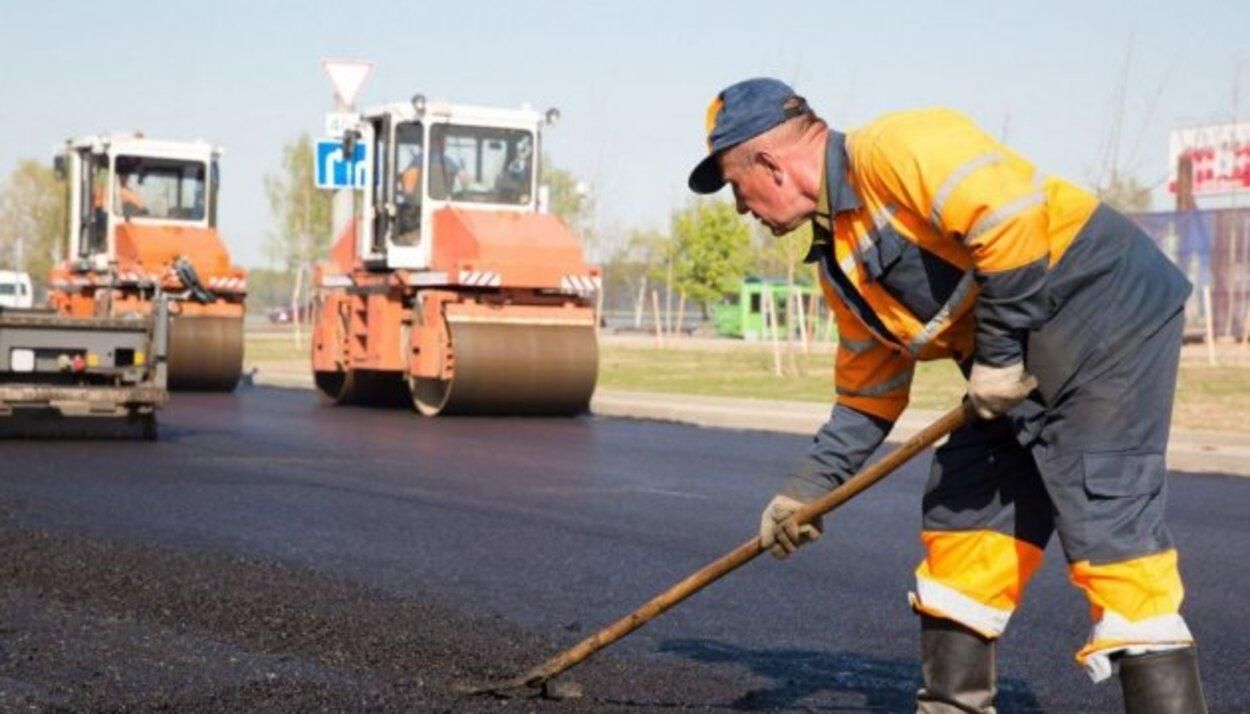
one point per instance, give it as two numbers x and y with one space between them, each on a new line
779 533
995 390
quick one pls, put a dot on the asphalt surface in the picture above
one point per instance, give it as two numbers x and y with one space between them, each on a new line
271 554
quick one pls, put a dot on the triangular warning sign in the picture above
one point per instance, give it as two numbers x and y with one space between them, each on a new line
347 76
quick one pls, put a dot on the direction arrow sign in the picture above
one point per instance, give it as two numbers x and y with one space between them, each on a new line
347 76
333 171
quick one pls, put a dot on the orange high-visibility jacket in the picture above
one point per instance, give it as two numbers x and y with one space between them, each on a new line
934 240
940 249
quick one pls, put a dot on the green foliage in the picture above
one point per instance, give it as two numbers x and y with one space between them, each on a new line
268 288
301 211
710 250
779 257
639 257
571 200
33 205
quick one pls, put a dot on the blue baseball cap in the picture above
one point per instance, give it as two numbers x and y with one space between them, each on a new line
740 112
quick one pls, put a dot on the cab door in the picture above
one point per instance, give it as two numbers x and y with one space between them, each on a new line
371 220
408 239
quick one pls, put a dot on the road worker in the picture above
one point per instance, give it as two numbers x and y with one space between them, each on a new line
933 240
447 174
129 201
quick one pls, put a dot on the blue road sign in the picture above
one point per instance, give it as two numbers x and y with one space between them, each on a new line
334 172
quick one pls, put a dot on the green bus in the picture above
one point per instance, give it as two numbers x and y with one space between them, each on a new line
740 314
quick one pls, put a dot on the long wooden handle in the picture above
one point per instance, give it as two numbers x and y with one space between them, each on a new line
710 573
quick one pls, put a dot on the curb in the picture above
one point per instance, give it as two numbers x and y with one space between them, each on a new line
1194 451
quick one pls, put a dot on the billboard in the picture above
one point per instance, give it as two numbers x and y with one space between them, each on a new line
1220 154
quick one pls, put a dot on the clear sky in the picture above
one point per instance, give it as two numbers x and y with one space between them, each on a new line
631 78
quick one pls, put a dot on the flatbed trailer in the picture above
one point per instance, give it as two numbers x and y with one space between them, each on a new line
84 367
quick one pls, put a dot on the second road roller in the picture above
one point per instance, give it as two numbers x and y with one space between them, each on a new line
143 221
452 287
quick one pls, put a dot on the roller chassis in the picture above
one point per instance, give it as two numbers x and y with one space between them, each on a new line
453 349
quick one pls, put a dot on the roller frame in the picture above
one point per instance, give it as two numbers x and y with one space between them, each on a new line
422 354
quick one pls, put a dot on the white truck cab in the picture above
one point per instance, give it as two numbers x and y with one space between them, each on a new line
16 290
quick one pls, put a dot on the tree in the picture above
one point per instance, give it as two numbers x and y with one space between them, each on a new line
1125 194
628 270
300 210
710 250
781 256
268 288
571 200
33 207
302 213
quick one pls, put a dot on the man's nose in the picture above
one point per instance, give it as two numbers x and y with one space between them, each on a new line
739 204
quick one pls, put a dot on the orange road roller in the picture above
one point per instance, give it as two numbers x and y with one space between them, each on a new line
143 221
451 287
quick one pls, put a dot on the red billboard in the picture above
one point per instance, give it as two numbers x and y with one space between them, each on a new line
1219 154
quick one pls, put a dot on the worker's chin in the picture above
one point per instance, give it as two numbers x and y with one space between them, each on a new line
779 229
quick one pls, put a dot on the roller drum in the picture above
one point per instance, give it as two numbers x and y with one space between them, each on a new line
361 387
205 352
514 367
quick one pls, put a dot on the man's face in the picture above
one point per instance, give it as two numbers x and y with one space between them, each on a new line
763 188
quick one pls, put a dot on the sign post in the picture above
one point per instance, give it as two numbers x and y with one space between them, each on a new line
348 77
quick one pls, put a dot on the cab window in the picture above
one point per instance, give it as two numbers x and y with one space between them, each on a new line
170 189
481 164
409 175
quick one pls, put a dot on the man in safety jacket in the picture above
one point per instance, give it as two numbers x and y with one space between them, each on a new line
935 241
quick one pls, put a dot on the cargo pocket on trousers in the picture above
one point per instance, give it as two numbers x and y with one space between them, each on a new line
1120 475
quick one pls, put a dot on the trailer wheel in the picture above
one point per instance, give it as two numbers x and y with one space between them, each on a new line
147 427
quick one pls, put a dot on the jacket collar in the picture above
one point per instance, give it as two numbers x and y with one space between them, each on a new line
839 195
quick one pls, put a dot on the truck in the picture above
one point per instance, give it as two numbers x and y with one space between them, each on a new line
743 314
16 289
451 287
143 222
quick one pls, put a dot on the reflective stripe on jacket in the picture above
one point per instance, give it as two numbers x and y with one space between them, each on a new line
941 248
934 240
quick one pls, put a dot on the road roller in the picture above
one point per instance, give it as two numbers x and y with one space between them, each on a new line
143 222
452 288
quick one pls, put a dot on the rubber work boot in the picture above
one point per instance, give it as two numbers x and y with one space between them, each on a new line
1162 683
958 668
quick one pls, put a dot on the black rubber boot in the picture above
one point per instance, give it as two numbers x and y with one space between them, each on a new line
958 667
1162 683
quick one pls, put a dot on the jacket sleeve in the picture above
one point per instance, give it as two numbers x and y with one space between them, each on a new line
978 192
872 383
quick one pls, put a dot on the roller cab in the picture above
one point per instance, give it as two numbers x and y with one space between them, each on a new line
452 289
143 221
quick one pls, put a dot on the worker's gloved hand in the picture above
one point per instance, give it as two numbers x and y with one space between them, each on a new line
995 390
779 533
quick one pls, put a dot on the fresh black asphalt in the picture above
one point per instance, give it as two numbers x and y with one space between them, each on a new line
272 553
